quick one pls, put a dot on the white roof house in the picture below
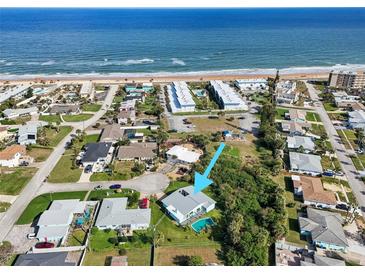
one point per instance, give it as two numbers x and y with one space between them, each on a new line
27 134
182 154
183 204
305 163
16 91
54 223
251 84
357 119
86 89
113 214
296 142
180 97
14 113
226 97
286 92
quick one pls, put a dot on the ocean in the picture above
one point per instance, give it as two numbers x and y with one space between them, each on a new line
101 41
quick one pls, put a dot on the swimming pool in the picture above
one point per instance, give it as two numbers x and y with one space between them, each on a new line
199 225
199 92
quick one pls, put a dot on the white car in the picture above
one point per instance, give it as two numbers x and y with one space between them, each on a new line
31 236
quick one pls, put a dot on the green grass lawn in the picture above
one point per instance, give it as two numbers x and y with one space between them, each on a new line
17 121
357 163
77 117
4 206
338 116
56 137
318 129
91 107
13 180
312 117
329 106
42 202
175 185
280 113
76 238
50 118
118 99
63 171
39 153
121 171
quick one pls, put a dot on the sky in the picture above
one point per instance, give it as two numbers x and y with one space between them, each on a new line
182 3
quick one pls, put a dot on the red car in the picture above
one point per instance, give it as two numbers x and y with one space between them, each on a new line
44 245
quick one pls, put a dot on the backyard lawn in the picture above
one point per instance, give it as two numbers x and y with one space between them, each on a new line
77 117
39 153
280 113
91 107
318 130
13 180
42 202
77 238
136 257
50 118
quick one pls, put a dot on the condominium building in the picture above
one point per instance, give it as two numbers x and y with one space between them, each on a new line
347 79
226 97
180 97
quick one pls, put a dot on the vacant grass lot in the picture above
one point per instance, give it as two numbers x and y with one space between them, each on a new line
39 153
280 113
77 117
56 137
63 172
50 118
13 180
136 257
318 130
312 117
206 125
42 202
91 107
330 106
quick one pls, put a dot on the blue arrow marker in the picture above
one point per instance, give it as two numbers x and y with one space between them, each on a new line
202 181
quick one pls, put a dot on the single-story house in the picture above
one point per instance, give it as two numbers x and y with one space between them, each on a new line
15 113
126 115
54 223
44 259
183 204
137 151
27 134
305 163
14 155
111 133
98 155
180 154
296 142
357 119
312 191
324 229
64 109
114 214
295 128
296 115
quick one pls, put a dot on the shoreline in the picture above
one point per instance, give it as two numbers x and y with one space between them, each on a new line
319 72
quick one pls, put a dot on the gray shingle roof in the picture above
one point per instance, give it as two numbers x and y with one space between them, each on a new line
324 226
185 204
94 151
298 141
43 259
305 162
137 150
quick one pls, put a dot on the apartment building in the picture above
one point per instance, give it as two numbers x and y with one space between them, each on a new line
347 79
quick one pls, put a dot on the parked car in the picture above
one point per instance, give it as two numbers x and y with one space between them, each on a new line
339 173
44 245
328 173
343 206
88 168
116 186
31 236
97 187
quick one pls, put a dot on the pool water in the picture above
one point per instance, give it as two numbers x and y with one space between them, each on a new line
199 92
199 225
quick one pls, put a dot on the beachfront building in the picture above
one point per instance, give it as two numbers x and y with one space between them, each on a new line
180 97
324 229
305 163
356 119
344 100
258 84
311 190
86 89
114 214
347 79
286 92
226 97
183 204
27 134
54 223
19 112
139 87
182 155
14 155
15 92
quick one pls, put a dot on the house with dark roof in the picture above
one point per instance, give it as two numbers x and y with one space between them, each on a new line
98 155
183 204
324 229
44 259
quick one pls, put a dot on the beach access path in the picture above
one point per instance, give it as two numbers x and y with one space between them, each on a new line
8 219
357 186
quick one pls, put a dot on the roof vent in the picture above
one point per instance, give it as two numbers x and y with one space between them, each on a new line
184 193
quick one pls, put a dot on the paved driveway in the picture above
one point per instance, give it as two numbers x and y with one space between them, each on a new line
18 238
148 184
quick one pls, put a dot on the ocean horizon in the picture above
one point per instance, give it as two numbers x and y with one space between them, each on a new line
44 41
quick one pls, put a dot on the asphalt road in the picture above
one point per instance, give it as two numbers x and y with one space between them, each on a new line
357 186
8 219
